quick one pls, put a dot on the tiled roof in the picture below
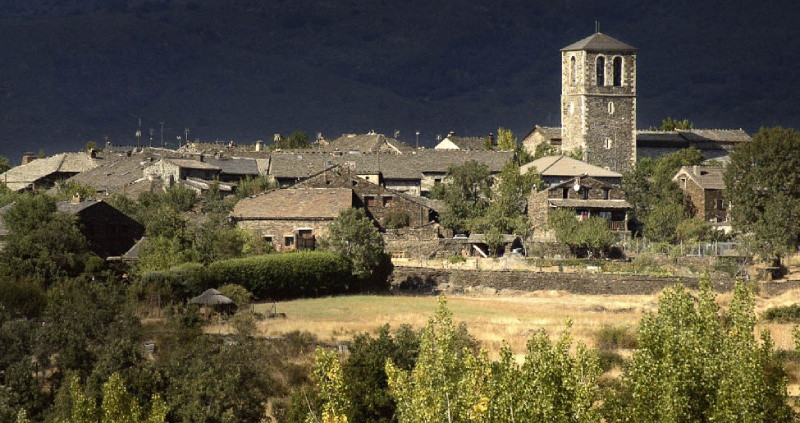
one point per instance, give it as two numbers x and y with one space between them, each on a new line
566 166
594 204
297 165
600 42
120 174
295 203
681 138
371 143
234 166
467 143
192 164
707 177
20 177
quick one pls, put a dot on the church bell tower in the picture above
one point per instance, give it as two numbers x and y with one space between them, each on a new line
598 101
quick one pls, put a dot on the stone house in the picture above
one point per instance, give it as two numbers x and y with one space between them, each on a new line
293 218
108 231
46 172
412 173
704 186
174 170
454 142
540 135
587 196
376 199
557 169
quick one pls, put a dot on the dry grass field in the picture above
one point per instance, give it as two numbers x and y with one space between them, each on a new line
494 320
491 319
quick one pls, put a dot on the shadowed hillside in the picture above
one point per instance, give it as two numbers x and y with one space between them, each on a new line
244 69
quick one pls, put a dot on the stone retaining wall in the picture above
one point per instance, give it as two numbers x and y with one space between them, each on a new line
421 280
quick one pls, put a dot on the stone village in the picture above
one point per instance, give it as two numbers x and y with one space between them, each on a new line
597 142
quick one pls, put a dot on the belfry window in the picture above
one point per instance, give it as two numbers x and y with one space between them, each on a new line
573 71
617 71
601 71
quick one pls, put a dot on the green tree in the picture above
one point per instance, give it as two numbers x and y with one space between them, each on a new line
254 185
4 164
297 139
694 230
466 194
506 141
670 124
448 382
42 243
692 365
590 235
545 149
353 236
662 220
763 185
649 185
68 189
90 145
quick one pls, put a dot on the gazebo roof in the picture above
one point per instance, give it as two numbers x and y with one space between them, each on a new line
211 297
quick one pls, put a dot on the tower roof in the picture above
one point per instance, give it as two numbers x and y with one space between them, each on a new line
600 42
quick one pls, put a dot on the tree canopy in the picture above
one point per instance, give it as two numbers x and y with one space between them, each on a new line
763 184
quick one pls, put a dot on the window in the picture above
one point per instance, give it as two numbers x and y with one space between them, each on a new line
565 193
600 65
611 107
573 71
617 71
720 204
608 143
605 193
268 239
585 193
369 200
387 201
571 108
305 233
288 241
683 182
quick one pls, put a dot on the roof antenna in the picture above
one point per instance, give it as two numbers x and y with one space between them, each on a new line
596 26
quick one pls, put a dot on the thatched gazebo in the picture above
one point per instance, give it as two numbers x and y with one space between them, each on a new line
215 300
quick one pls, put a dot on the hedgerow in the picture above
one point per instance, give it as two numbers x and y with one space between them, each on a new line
284 276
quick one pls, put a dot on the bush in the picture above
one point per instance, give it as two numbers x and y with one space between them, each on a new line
456 259
609 359
285 276
182 281
396 219
614 337
784 314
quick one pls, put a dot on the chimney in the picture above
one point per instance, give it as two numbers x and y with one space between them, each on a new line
28 157
92 153
76 198
259 145
491 139
694 170
451 133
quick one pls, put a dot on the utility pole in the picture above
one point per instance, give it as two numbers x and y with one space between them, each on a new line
417 138
162 134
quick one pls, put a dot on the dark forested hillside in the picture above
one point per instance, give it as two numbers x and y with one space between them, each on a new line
71 71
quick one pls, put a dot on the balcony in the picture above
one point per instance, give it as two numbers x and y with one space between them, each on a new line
617 225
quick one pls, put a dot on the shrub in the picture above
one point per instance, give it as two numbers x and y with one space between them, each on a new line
239 294
456 259
614 337
784 314
396 219
182 281
284 276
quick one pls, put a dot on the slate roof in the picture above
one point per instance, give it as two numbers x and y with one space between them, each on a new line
593 204
371 143
600 42
297 165
550 132
235 165
21 177
192 164
707 177
74 208
683 137
467 143
122 175
567 166
294 203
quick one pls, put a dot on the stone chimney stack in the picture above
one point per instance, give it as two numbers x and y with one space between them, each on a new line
28 157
